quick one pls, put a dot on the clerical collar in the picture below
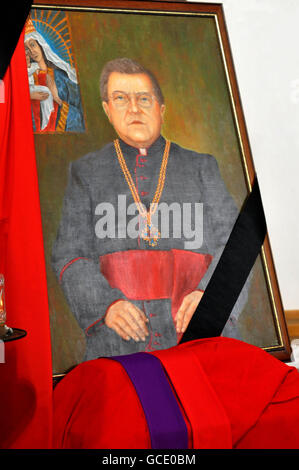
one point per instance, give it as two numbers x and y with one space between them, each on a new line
157 147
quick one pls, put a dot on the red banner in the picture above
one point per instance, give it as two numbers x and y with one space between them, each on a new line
25 377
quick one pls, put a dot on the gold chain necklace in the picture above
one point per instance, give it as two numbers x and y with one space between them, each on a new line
150 233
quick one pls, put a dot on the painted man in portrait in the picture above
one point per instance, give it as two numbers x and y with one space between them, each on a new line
143 225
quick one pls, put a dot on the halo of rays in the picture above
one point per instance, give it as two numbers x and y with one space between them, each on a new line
53 26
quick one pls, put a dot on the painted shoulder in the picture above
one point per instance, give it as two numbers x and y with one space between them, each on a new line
93 160
185 155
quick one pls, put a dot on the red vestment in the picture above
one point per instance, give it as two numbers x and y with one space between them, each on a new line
232 395
40 78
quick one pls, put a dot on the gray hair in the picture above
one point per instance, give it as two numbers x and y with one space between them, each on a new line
127 66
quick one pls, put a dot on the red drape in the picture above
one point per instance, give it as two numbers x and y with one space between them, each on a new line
233 395
25 377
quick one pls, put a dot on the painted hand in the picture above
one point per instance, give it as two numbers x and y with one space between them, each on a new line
53 88
38 95
127 320
186 310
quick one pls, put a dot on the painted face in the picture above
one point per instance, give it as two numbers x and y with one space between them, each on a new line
34 50
133 109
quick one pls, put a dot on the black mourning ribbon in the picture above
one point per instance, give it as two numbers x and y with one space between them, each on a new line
232 270
14 16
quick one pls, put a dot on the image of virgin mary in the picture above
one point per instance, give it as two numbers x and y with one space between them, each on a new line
54 90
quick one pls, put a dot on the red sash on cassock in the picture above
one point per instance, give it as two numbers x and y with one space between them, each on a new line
149 275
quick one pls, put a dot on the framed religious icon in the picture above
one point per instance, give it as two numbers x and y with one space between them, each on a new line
144 164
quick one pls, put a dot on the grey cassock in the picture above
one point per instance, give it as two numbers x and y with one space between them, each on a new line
99 256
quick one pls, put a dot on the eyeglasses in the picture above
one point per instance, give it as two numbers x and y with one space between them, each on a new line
121 100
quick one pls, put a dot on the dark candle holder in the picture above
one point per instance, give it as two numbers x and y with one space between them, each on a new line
13 334
7 333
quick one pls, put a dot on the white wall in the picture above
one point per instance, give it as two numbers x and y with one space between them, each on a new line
264 38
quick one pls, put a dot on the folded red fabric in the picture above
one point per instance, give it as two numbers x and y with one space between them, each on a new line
231 395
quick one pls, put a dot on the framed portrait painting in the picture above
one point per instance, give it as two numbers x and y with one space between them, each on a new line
143 164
